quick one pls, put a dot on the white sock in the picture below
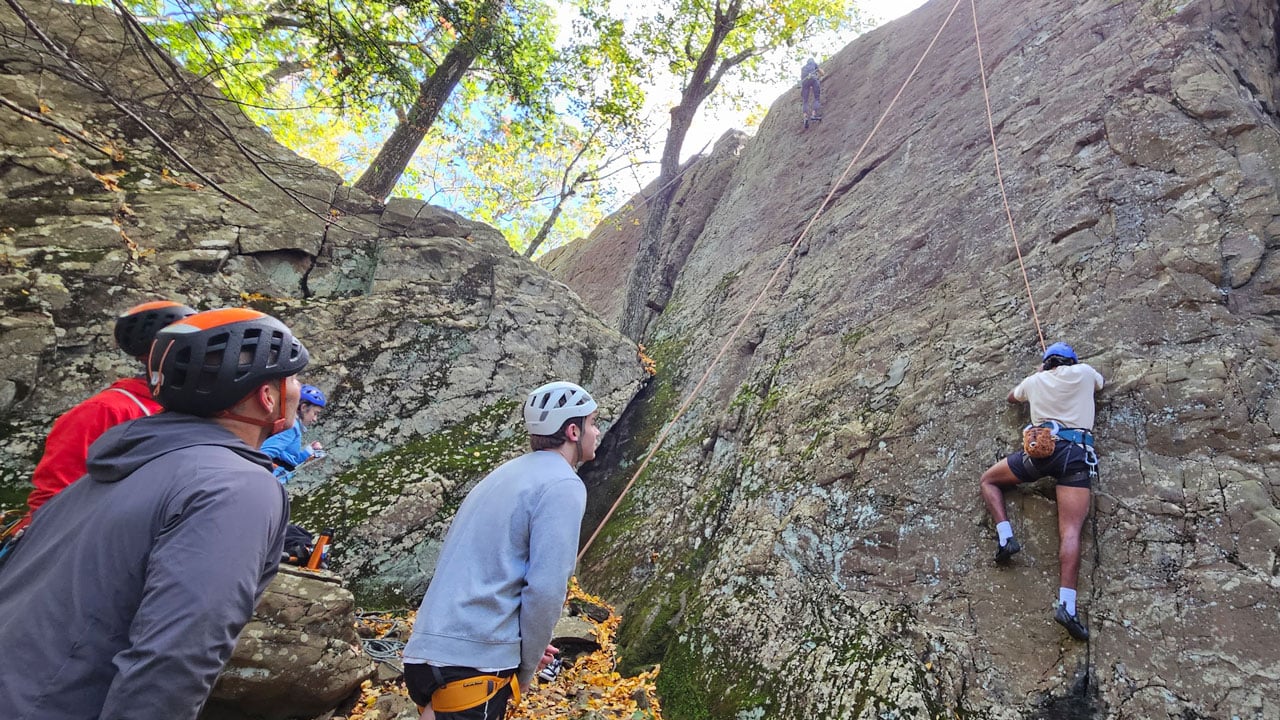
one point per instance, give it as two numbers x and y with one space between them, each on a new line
1005 531
1067 596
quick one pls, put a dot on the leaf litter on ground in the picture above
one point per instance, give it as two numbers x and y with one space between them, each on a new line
588 687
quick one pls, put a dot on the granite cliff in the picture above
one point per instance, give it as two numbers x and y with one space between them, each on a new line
810 541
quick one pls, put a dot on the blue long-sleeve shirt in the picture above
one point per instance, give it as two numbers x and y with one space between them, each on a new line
504 569
287 450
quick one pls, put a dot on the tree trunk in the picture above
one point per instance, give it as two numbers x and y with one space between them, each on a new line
637 308
546 226
640 303
384 172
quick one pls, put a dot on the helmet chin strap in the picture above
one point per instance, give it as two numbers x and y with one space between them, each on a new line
277 425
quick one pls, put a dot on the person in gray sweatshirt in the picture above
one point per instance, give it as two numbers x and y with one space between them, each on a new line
124 597
485 624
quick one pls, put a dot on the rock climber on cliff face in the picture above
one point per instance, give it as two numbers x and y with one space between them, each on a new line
811 91
1058 444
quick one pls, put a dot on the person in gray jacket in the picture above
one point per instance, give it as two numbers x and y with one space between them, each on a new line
125 596
485 623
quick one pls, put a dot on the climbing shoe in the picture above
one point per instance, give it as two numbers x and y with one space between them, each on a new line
1072 623
1007 550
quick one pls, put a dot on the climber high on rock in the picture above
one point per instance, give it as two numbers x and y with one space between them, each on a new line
811 91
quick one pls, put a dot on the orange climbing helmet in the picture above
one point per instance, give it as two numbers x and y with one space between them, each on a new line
137 326
206 363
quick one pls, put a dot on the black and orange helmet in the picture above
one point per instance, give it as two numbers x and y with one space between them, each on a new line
206 363
137 326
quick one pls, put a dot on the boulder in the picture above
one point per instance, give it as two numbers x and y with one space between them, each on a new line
298 657
425 329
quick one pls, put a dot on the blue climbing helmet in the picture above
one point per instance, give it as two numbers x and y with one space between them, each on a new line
1060 349
311 394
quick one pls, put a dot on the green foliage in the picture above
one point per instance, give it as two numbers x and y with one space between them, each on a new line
328 79
458 452
761 36
347 54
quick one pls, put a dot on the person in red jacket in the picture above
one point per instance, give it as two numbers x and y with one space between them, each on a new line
67 445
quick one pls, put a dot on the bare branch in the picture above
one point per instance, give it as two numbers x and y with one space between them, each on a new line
92 83
6 102
624 168
203 111
728 64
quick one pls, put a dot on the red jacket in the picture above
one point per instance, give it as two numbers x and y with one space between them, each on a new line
67 446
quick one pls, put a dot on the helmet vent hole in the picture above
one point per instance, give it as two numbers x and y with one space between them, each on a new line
276 344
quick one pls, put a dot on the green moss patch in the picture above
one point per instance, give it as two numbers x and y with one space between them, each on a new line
459 453
696 683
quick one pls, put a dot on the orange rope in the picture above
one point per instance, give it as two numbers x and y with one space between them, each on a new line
666 430
991 127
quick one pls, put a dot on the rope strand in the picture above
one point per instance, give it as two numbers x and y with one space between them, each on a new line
1004 196
666 430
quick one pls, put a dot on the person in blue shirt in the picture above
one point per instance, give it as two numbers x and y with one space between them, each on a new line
485 624
286 449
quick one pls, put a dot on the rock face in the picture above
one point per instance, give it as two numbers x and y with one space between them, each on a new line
810 542
424 328
298 657
599 266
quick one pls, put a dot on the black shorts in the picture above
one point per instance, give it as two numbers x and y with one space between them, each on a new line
423 680
1066 465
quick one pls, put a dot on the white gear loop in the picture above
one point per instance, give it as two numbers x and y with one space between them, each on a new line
548 407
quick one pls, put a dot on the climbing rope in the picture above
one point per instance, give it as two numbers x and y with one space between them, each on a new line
382 649
1004 196
666 430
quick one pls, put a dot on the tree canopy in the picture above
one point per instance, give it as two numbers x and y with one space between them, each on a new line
511 111
700 42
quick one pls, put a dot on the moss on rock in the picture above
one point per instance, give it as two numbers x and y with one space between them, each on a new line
458 452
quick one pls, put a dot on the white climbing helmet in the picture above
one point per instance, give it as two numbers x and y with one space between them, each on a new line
551 405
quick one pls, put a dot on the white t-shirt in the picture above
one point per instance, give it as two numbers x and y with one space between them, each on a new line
1064 394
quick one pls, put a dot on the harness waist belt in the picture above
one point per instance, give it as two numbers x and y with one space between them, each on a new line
472 692
1079 437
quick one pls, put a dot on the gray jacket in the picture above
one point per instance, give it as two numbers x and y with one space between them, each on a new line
125 596
500 582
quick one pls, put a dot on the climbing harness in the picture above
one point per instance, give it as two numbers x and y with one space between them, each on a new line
764 291
1048 434
472 692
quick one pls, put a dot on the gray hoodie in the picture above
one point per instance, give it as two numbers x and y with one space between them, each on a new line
125 596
